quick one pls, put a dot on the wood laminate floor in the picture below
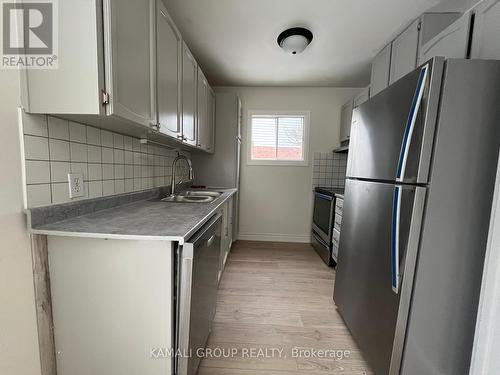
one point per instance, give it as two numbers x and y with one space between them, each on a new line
278 296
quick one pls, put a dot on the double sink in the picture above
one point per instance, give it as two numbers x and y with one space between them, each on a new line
193 196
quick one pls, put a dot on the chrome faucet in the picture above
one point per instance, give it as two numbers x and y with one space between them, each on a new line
174 164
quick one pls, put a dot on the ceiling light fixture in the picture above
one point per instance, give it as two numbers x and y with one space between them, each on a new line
295 40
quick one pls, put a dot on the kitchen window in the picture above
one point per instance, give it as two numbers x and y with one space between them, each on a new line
278 138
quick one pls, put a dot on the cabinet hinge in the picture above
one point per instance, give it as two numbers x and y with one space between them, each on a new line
104 97
155 126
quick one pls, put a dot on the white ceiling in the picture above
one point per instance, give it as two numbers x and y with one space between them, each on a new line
234 41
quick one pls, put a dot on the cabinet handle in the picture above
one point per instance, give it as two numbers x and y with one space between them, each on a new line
211 240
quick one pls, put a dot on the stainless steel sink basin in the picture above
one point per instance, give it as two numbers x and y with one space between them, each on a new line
188 199
206 193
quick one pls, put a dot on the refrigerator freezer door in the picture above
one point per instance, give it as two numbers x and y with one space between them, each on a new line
392 137
364 285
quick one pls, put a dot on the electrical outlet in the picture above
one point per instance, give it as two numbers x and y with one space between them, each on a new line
76 186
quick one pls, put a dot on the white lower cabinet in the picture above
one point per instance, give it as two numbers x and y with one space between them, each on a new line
486 40
112 303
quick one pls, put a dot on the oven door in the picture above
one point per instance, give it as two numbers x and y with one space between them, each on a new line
322 216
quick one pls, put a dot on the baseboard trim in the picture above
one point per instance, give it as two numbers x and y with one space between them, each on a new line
271 237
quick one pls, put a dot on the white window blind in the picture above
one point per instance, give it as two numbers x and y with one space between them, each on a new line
277 137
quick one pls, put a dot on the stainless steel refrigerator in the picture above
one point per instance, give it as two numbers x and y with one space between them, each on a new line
421 172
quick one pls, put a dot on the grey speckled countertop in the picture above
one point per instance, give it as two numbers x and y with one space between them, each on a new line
143 219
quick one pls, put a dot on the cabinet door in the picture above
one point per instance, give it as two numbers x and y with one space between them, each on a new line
189 75
211 120
449 43
129 41
345 121
380 71
404 52
230 222
362 97
202 111
486 41
168 72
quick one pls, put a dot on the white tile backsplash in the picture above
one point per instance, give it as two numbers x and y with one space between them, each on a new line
118 141
38 195
78 152
37 172
111 163
58 128
60 193
36 148
59 150
106 138
94 154
93 136
95 172
35 125
108 172
329 169
77 132
95 189
119 186
80 168
59 171
107 155
118 156
108 187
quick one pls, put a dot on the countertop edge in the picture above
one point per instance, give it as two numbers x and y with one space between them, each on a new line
180 238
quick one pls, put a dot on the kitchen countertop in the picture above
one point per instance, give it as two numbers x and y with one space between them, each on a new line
144 219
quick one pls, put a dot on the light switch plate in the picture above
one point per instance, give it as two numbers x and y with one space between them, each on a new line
76 186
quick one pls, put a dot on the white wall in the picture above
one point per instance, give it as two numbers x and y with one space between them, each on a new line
276 202
18 330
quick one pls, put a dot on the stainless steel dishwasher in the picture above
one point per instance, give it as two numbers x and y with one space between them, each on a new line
198 262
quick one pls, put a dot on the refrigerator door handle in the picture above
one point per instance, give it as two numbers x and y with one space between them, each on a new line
395 224
410 123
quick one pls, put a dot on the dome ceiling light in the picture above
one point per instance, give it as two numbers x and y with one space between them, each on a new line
295 40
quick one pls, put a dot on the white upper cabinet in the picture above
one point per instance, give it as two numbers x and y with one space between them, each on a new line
404 52
346 121
362 97
450 43
189 93
129 37
106 63
381 66
123 66
211 120
203 116
76 86
486 35
168 76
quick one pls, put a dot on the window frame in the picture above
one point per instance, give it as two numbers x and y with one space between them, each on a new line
282 163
